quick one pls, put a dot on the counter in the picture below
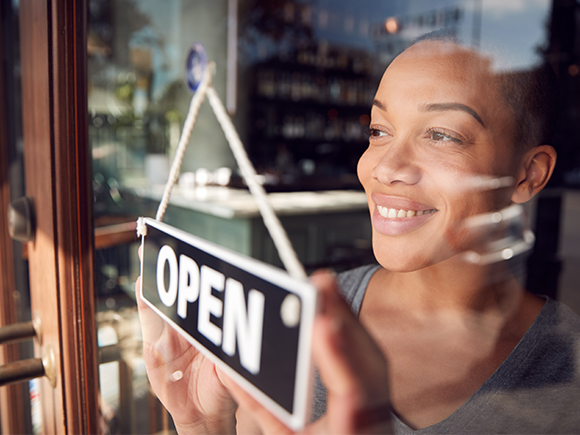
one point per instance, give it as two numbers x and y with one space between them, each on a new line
234 203
327 229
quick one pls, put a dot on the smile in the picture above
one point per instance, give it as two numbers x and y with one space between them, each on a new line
393 213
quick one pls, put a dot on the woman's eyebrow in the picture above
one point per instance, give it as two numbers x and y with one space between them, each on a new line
379 104
453 106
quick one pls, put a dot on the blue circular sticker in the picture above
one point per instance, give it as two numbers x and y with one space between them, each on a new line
195 67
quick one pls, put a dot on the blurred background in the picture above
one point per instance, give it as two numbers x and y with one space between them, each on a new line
298 78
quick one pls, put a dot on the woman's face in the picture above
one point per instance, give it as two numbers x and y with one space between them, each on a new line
437 126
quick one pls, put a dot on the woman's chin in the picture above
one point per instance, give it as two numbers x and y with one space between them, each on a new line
411 260
400 264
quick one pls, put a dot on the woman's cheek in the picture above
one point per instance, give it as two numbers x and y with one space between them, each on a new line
463 232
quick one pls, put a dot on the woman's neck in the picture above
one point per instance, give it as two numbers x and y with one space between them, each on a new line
453 286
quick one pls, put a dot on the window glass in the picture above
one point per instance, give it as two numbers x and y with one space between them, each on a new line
298 79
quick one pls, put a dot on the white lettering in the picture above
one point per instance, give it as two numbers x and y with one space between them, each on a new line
166 254
245 326
242 323
209 304
188 284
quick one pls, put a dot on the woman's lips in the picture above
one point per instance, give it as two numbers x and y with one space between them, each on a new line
394 216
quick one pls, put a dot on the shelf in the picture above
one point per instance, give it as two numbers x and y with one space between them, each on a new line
310 142
314 105
295 66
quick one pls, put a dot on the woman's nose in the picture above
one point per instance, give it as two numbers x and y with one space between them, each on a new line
398 164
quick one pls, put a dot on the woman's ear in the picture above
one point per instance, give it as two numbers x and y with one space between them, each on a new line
535 170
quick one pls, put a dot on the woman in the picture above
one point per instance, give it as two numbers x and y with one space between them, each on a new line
452 146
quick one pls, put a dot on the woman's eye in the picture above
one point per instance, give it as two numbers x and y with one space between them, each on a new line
440 136
375 133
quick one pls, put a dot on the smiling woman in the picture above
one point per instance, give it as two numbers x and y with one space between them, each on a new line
444 339
456 333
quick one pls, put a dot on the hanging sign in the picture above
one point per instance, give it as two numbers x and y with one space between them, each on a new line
252 320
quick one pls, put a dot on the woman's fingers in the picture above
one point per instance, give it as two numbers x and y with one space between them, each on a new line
351 366
266 422
355 376
161 343
152 326
343 348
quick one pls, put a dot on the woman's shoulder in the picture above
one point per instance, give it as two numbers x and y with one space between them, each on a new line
557 330
549 352
558 318
353 284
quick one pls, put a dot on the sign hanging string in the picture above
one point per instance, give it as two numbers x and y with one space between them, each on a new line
273 224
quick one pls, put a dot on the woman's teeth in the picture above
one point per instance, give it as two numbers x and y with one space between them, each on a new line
395 213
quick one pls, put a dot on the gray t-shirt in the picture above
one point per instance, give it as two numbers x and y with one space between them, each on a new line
535 391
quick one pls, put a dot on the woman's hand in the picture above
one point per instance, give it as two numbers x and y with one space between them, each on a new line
351 366
183 379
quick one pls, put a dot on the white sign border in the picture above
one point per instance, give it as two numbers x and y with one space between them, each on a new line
303 288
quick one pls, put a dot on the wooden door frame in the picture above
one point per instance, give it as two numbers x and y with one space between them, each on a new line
11 397
58 167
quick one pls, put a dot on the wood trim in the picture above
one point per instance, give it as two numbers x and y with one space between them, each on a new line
113 235
38 159
11 397
73 187
57 166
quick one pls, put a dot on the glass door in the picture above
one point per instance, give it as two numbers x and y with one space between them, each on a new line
90 333
103 103
81 171
137 102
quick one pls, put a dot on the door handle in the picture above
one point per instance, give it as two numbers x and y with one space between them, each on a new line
32 368
22 219
20 371
20 331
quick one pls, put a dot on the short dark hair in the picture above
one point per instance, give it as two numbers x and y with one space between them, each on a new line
442 35
531 96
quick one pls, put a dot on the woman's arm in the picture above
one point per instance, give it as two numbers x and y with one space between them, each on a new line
351 366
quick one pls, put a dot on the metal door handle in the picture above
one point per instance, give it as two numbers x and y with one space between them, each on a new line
20 331
20 371
22 219
32 368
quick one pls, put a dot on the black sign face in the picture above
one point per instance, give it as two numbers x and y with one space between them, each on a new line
252 320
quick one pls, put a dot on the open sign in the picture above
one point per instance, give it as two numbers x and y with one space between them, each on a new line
252 320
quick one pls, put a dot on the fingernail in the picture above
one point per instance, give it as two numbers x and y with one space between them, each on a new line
176 376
